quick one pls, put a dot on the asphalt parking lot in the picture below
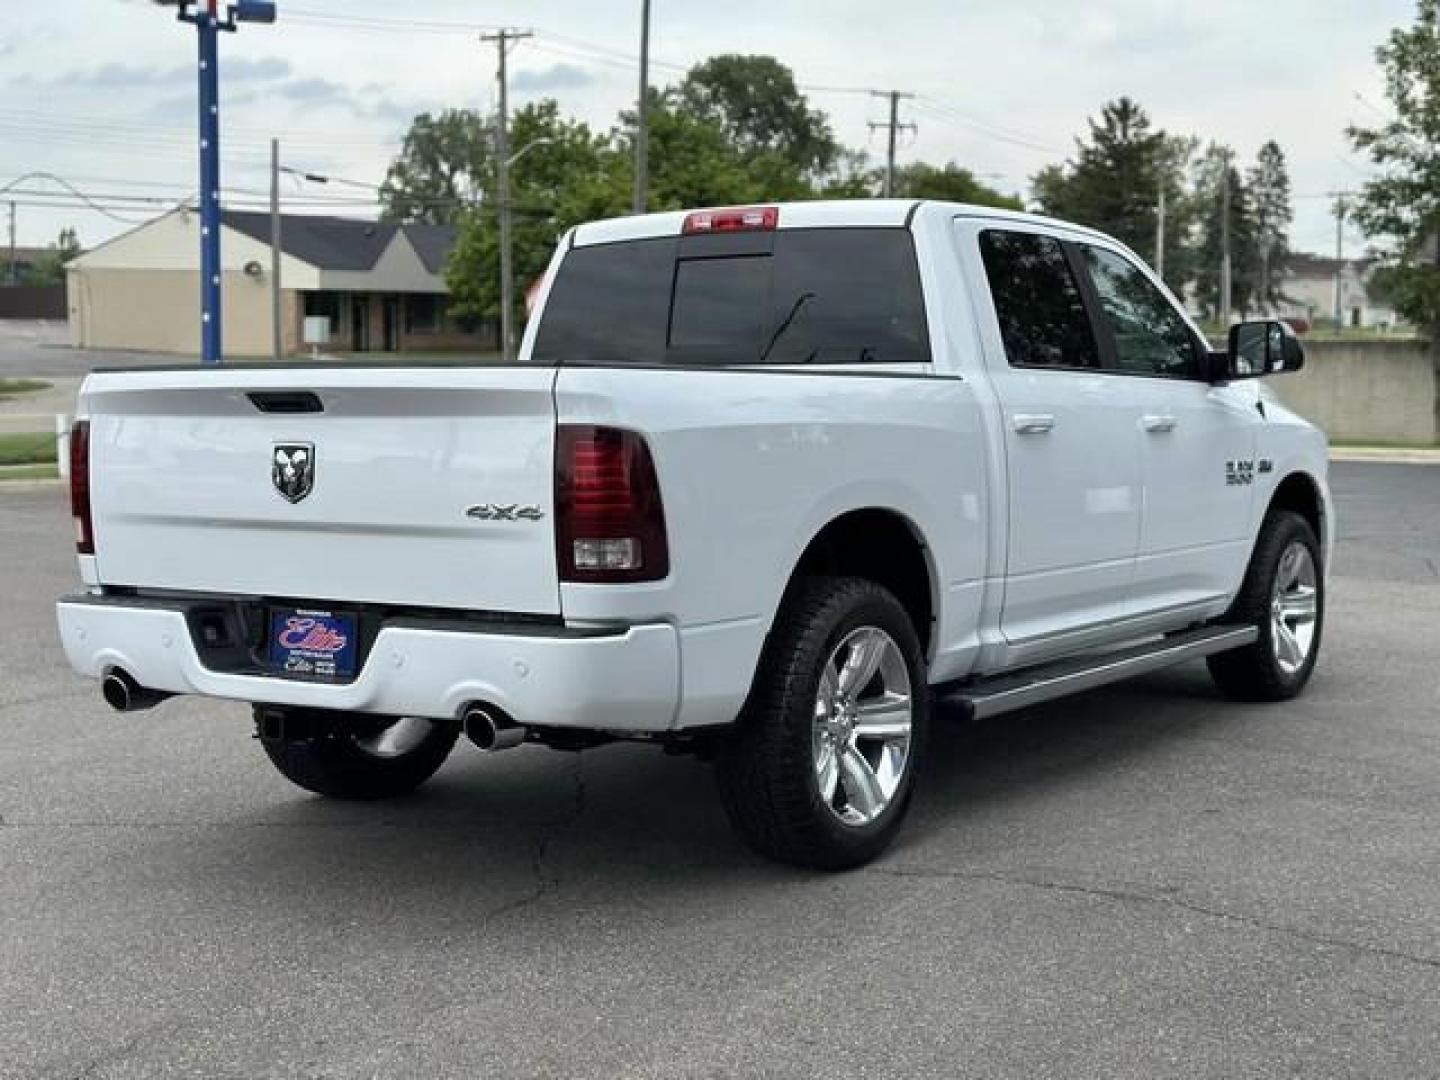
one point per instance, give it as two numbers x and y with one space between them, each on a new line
1142 882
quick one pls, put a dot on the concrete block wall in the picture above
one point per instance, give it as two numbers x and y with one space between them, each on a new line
1367 391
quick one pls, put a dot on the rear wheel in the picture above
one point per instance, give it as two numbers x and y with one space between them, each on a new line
353 755
1284 597
821 765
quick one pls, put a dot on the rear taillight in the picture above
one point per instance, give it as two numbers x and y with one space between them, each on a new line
609 521
80 487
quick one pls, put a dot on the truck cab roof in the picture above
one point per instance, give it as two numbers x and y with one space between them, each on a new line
816 214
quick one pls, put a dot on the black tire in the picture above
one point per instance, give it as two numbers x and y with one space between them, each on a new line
333 753
767 764
1255 672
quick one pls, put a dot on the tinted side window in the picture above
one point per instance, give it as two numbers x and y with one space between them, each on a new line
818 296
1042 316
610 304
846 296
1150 336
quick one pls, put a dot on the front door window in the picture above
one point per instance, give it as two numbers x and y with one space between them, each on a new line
1149 335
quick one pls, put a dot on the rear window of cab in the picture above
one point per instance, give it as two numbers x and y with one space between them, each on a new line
797 296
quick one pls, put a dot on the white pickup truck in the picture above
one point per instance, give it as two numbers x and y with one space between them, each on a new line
762 482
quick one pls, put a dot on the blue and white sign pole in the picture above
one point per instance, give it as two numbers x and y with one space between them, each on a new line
208 23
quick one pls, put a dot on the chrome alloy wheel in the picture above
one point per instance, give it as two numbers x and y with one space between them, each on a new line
1294 608
864 711
395 738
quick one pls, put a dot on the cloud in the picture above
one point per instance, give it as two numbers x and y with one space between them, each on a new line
557 77
119 76
317 92
369 102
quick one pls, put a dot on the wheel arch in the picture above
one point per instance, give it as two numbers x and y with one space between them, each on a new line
881 545
1300 493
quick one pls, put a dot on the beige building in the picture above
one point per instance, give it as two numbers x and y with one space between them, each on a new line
380 284
1310 293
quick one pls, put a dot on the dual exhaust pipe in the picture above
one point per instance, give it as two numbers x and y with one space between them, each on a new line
123 694
488 728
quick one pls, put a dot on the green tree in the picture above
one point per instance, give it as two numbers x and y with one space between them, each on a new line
852 176
49 269
564 174
1214 172
1114 182
1402 205
761 111
1273 214
693 162
950 183
445 165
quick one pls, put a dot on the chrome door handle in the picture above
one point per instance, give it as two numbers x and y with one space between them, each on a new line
1158 424
1033 423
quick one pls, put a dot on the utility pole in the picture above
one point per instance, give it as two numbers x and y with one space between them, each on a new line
14 270
278 345
502 39
1226 264
1340 209
642 115
895 127
1160 234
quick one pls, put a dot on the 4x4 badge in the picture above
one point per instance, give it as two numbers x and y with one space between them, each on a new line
505 512
292 470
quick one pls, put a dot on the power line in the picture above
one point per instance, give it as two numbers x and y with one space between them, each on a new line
389 24
948 114
551 42
71 188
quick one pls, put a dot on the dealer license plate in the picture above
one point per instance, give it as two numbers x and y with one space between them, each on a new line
312 644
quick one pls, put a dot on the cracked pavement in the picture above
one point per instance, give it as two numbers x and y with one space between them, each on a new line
1145 881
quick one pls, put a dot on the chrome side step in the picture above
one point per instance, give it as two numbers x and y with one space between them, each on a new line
1019 690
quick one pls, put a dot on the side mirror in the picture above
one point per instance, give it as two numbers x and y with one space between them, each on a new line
1262 348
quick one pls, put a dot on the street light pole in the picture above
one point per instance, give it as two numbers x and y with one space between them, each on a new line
208 23
210 297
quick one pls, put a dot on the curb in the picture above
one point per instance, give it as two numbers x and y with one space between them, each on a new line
1387 457
28 485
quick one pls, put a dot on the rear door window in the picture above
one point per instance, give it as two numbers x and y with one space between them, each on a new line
1042 315
798 296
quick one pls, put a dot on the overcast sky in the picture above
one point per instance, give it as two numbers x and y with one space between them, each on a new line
101 92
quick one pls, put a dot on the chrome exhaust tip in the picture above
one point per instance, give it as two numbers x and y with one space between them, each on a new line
123 694
491 730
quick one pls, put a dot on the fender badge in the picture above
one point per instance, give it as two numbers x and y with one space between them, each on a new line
505 512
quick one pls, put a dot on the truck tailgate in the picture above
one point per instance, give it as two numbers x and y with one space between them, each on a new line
185 495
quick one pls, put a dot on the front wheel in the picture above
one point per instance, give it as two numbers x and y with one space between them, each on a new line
821 765
353 755
1283 596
